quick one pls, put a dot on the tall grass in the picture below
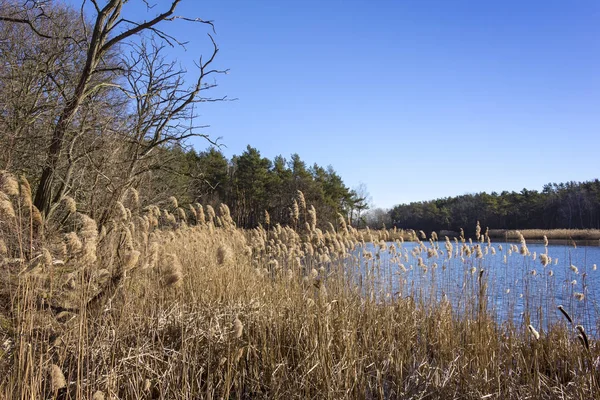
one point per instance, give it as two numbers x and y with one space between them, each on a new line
162 305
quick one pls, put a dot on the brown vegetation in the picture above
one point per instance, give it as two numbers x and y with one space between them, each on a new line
164 306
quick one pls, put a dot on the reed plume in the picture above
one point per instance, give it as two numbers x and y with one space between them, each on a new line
564 312
173 272
98 395
121 212
68 204
534 332
301 200
294 212
583 337
313 217
238 328
57 378
132 198
25 192
8 183
210 212
201 215
6 208
224 255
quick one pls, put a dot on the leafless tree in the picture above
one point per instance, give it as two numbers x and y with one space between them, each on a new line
157 89
164 108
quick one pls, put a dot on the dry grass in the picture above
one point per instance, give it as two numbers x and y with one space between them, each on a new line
212 311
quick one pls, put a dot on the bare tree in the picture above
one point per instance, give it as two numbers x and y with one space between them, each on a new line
164 109
36 73
362 201
107 33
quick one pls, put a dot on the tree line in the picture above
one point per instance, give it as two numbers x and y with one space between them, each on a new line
571 205
251 185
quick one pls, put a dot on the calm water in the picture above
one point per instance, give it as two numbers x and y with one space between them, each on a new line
518 288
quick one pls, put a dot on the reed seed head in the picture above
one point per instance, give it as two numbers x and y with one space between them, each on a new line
130 259
121 211
201 215
173 272
57 378
98 395
6 207
564 312
574 269
301 200
238 328
181 214
73 243
534 332
132 198
224 255
210 212
8 184
25 191
68 204
294 211
47 257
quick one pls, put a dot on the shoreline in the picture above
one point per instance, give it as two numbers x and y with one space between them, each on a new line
583 237
550 234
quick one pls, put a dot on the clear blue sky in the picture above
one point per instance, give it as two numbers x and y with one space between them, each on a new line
418 99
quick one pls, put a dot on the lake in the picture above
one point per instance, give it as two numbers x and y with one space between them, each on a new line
514 287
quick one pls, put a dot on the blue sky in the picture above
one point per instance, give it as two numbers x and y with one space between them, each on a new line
417 99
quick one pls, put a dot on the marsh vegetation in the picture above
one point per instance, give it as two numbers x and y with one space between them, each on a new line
174 301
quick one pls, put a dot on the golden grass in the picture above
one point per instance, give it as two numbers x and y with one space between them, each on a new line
212 311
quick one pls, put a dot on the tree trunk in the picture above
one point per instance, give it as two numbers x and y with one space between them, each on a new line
43 195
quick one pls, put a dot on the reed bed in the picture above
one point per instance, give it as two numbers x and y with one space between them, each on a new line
165 304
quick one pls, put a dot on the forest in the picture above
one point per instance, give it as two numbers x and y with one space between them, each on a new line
571 205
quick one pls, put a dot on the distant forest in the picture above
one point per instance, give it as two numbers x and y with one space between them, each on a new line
572 205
